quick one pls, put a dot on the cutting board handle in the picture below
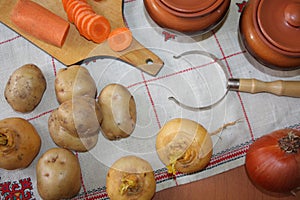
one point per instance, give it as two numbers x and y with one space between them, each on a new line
144 59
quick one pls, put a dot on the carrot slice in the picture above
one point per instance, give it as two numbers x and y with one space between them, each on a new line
67 2
40 22
64 2
81 20
98 28
70 9
120 39
81 16
84 23
81 7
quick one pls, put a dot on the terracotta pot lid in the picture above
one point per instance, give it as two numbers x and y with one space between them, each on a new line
279 21
190 8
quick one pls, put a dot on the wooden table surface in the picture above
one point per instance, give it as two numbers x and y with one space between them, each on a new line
230 185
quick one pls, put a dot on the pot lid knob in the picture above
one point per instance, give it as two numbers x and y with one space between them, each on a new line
292 14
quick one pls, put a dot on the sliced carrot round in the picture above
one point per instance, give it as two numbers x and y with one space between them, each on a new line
80 7
98 28
83 25
80 20
70 8
68 2
120 39
65 2
81 16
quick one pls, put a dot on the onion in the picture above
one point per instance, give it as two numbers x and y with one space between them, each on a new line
184 146
273 161
129 178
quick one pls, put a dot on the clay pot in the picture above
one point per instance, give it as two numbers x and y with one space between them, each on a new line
270 31
187 16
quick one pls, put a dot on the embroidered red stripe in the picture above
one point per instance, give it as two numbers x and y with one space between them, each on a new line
240 99
9 40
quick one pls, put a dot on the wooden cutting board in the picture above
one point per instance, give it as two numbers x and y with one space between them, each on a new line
76 48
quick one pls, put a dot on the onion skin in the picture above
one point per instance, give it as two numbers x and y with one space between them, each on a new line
272 168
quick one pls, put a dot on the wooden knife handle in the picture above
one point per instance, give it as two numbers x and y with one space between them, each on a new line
280 87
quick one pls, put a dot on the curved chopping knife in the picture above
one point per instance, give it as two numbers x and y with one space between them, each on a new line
251 85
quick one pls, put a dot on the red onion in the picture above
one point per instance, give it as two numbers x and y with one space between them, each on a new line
273 161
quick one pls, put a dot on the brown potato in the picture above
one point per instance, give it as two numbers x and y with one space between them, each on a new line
25 88
130 177
184 145
80 116
74 81
58 174
19 143
64 139
75 124
119 111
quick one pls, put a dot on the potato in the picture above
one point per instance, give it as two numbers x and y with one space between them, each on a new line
64 139
184 145
58 174
75 124
130 177
19 143
25 88
74 81
119 111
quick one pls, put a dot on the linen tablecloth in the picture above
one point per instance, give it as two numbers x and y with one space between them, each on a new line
188 79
